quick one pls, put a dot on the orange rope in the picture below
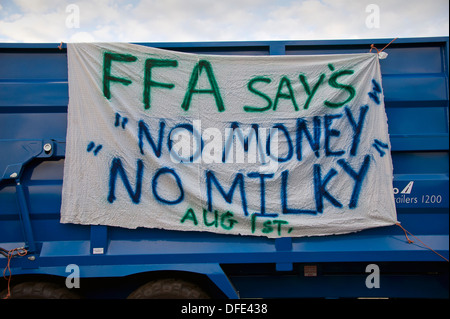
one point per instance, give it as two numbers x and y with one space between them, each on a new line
406 234
410 241
388 44
19 252
372 46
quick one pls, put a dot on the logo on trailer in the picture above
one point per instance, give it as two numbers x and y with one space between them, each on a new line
406 190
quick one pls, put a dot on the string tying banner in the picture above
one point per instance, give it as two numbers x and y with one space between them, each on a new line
381 54
411 242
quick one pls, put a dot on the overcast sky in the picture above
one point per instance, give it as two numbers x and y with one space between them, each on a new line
225 20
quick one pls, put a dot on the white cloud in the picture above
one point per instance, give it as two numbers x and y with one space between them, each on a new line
33 28
82 37
334 19
206 20
38 6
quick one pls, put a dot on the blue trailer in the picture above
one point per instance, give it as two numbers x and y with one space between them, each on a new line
68 260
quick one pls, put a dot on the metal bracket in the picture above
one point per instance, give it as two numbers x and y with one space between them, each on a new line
16 153
284 244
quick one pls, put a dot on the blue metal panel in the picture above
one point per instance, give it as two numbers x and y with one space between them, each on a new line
344 286
33 106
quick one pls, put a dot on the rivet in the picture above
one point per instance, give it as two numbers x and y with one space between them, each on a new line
47 147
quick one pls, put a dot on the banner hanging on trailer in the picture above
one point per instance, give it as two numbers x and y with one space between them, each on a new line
270 146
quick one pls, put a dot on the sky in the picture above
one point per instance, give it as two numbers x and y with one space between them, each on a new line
53 21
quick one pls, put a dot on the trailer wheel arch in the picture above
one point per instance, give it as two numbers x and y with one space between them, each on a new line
211 280
169 288
200 285
39 290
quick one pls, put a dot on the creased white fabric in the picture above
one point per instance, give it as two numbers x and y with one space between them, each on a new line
150 134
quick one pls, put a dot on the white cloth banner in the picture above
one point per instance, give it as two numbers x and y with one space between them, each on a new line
254 145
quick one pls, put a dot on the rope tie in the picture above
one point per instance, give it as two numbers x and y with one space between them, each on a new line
410 241
372 46
10 254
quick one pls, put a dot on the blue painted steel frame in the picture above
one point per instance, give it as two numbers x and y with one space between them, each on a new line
103 251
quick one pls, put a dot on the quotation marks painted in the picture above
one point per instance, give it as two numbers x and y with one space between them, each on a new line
379 145
118 120
91 147
374 95
376 89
